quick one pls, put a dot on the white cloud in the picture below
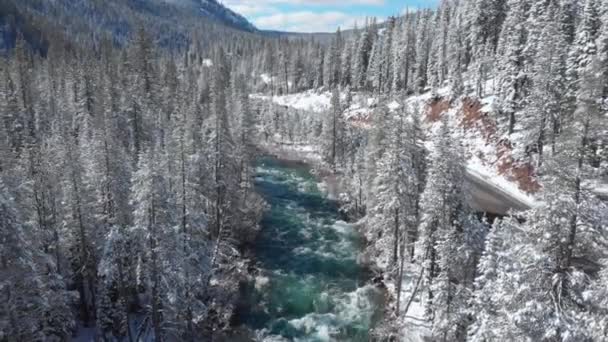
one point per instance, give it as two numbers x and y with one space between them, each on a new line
251 9
303 15
307 21
409 9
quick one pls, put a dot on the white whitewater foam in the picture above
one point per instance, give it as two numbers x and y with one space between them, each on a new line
343 227
261 282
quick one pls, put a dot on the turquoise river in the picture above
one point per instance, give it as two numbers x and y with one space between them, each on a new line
308 284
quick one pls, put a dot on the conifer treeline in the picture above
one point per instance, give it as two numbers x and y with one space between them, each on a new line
525 52
539 276
126 191
126 186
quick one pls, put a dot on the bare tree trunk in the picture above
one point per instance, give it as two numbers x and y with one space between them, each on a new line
156 305
511 121
87 286
413 295
286 78
136 134
396 236
360 194
540 143
333 142
123 295
400 281
577 196
218 164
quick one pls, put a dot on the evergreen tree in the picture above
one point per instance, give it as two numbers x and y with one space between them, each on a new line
422 51
35 306
334 132
78 224
153 229
447 233
545 103
512 76
548 253
363 54
487 17
583 50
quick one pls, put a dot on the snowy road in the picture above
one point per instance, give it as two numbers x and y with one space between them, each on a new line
493 196
601 190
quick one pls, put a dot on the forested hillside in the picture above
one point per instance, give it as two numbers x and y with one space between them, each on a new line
171 23
408 111
126 192
127 169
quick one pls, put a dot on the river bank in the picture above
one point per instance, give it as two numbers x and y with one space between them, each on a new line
307 282
383 276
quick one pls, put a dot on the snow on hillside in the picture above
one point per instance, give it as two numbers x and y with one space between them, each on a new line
266 78
318 101
602 190
309 101
414 325
476 169
488 162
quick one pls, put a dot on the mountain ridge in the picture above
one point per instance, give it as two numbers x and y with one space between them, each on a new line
171 22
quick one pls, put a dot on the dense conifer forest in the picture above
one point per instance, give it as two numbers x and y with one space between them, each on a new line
129 157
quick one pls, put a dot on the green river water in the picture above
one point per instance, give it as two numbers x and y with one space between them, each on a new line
309 285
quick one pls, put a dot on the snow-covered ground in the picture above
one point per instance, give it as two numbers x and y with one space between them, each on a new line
266 78
599 187
310 101
293 151
602 190
491 188
318 101
414 326
492 192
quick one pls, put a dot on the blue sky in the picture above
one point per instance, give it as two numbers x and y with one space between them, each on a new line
318 15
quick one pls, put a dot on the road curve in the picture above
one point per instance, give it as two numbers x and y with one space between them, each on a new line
488 196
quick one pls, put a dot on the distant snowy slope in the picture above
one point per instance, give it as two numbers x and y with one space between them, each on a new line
211 9
223 14
170 22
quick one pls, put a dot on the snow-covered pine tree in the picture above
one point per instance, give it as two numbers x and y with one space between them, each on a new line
602 45
546 284
448 232
111 173
113 319
486 19
438 55
582 51
334 132
19 315
13 111
189 249
346 61
484 302
386 59
512 78
423 46
154 231
545 104
78 224
245 134
363 54
456 53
